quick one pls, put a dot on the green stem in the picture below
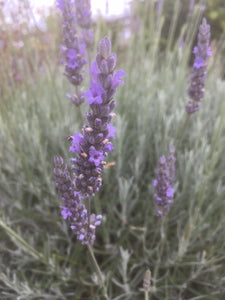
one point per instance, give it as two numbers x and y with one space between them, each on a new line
88 207
99 273
79 107
146 295
22 243
161 248
181 131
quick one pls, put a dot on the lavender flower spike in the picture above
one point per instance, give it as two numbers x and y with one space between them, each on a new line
73 47
92 146
73 210
198 78
164 182
83 14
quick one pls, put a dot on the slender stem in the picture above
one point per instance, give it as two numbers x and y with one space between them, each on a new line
89 58
99 273
79 109
163 224
146 295
181 131
88 206
80 115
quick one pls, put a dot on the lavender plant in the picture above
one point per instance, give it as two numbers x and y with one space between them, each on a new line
198 77
164 183
91 148
187 251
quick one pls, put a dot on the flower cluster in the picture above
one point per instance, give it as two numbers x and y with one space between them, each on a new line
91 147
73 48
93 144
83 13
197 81
72 208
164 182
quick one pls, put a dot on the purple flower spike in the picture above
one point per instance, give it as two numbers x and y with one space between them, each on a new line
164 182
198 78
73 210
91 147
83 14
95 144
73 47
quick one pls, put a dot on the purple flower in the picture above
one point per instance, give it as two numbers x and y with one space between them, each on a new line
73 210
65 212
60 4
164 182
198 78
192 106
111 131
91 147
73 47
94 95
83 14
95 156
76 139
117 78
199 62
89 164
108 147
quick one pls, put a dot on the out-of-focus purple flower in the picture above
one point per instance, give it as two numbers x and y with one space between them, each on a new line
83 14
93 145
198 78
73 210
73 47
87 37
60 4
76 99
192 106
164 183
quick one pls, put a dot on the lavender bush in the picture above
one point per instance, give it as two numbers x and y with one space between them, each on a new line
41 258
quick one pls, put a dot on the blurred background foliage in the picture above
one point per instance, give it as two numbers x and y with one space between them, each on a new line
28 45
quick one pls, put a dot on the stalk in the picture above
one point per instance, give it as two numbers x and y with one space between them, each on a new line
182 131
99 273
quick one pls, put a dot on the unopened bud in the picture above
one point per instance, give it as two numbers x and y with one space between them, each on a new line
147 280
88 129
105 47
